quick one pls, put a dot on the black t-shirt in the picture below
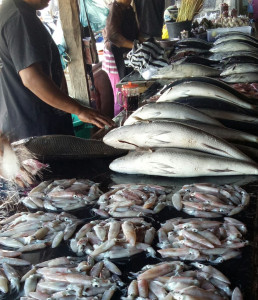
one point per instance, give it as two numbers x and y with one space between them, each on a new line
24 41
150 16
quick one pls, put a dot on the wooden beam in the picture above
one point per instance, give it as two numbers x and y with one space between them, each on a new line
69 16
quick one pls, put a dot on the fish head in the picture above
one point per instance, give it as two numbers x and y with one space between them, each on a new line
117 138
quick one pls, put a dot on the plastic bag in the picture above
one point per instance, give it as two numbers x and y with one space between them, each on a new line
97 15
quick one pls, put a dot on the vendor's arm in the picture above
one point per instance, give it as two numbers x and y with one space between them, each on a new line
44 88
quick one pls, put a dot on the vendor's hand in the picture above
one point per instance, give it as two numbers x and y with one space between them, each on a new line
89 115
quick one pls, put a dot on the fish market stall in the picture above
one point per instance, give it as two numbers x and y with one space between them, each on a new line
164 207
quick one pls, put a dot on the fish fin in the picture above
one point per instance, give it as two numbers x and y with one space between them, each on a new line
164 168
220 171
157 137
140 149
136 146
214 148
141 120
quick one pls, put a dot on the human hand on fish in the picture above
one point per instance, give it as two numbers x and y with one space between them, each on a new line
18 164
89 115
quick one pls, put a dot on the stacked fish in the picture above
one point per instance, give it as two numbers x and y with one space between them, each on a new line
33 231
70 278
128 200
174 148
176 280
210 200
241 47
199 239
63 194
233 52
114 238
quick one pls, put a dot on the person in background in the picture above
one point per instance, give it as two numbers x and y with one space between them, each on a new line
150 17
31 100
250 9
255 16
119 34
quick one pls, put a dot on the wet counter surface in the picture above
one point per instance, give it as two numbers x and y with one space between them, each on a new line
241 271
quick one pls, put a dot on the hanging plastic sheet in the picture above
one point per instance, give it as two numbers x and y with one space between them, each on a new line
97 14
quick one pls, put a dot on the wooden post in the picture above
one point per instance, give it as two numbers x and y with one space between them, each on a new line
69 16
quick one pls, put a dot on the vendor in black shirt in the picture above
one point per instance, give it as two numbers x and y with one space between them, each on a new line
150 17
31 101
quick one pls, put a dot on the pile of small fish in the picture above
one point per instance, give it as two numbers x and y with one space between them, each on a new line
128 200
9 277
112 238
210 200
178 281
33 231
201 240
71 278
63 194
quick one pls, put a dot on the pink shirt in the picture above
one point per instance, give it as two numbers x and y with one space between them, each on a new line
255 7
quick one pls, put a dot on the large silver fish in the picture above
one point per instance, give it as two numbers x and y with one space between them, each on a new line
184 70
224 55
169 110
226 133
234 37
172 162
202 89
240 68
170 134
242 78
233 46
228 115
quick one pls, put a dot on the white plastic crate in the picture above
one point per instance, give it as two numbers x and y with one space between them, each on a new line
212 33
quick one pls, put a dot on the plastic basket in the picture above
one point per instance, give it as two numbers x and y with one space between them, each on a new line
81 129
175 28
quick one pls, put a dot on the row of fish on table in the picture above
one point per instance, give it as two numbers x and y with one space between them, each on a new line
233 57
192 239
123 201
199 125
